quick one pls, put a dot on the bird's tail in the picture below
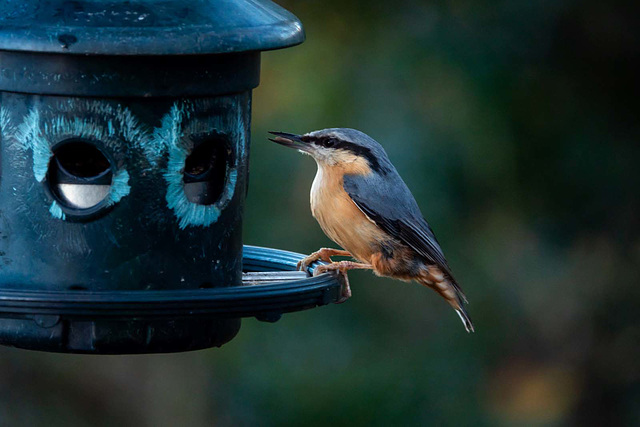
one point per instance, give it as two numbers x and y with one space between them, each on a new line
452 293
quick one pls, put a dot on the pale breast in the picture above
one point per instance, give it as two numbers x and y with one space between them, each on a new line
340 218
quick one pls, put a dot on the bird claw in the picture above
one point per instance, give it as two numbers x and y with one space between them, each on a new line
346 289
304 264
323 254
345 292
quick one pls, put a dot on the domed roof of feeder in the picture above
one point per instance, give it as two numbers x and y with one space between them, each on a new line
146 27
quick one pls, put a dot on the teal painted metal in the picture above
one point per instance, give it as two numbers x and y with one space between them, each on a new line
47 125
56 211
123 96
169 139
146 27
80 321
119 187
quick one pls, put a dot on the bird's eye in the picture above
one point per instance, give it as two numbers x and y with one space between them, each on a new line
328 143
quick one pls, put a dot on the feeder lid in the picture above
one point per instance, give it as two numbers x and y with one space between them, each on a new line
146 27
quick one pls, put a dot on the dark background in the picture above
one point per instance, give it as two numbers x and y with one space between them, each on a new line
515 124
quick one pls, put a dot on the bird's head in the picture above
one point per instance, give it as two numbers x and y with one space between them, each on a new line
348 148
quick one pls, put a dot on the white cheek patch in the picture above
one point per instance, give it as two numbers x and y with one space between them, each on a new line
349 157
341 156
330 156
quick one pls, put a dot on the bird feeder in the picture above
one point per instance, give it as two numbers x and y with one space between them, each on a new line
124 142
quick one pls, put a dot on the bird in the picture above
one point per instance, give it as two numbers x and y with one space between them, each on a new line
362 204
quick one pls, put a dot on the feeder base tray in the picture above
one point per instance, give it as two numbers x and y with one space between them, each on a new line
126 322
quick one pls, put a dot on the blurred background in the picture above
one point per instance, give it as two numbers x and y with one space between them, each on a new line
516 126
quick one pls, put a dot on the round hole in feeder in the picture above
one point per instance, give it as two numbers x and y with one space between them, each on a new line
205 171
79 175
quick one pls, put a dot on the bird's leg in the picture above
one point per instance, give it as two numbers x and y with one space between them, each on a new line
342 267
323 254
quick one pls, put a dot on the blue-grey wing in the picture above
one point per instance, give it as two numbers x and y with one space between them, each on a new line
387 201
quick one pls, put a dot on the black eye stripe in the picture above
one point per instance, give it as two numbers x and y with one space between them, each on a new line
326 142
356 149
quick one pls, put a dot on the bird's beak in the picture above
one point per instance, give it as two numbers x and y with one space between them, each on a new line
290 140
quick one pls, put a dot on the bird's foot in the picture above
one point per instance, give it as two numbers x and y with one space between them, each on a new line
345 292
342 267
323 254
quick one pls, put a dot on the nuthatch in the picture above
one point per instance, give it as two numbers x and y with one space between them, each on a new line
362 204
